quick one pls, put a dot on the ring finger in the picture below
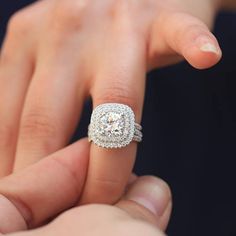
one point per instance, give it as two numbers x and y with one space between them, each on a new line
121 67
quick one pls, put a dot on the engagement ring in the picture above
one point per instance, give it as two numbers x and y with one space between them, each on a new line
113 125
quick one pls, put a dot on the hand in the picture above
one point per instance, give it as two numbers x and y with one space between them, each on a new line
35 195
57 53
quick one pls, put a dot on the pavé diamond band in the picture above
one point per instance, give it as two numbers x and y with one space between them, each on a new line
112 125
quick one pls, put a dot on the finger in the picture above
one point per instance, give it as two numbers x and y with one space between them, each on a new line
132 179
148 199
120 79
16 66
52 107
43 190
189 37
142 211
9 214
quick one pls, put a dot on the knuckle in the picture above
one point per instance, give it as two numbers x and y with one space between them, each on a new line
122 14
38 124
18 23
118 94
120 7
68 14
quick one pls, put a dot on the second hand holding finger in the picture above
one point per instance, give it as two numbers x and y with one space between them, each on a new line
144 210
44 189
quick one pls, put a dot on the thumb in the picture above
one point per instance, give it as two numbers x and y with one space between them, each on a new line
144 210
148 199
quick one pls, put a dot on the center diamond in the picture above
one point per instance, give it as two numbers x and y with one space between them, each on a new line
112 124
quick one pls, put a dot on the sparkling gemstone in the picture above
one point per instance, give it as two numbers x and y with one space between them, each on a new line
112 124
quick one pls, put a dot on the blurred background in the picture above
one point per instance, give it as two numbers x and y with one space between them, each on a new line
189 135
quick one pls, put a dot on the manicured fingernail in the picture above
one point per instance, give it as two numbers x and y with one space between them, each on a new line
209 47
152 193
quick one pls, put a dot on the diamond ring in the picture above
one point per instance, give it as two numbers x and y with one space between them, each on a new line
113 125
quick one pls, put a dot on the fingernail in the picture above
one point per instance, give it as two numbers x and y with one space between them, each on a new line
209 47
152 193
10 218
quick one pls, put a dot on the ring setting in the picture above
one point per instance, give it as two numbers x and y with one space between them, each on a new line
112 125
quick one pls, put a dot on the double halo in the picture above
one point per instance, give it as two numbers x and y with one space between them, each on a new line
112 125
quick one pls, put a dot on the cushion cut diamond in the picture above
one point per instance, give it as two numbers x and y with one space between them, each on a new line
112 124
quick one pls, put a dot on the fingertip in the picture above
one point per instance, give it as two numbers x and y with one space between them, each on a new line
78 149
81 145
202 53
152 193
192 39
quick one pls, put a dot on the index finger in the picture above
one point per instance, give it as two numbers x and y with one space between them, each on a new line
44 189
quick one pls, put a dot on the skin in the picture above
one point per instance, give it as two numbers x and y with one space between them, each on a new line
143 210
58 52
229 4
